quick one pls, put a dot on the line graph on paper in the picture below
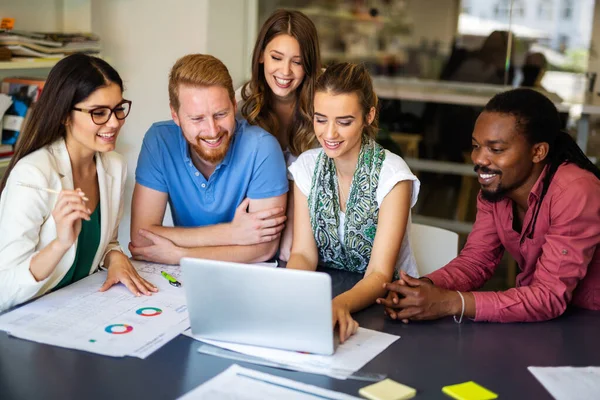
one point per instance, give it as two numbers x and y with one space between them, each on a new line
155 269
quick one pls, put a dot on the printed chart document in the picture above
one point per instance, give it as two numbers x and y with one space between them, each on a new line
246 384
113 323
144 267
348 358
569 383
151 269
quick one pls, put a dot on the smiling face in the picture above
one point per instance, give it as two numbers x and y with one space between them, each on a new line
338 123
206 117
504 159
82 134
282 62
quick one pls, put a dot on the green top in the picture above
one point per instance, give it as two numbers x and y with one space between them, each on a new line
87 246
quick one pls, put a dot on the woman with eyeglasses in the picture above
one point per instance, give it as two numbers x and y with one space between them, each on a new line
61 196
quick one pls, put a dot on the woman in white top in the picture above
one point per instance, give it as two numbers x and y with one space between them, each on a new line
352 197
279 95
51 238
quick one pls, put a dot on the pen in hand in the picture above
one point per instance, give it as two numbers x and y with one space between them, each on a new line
48 190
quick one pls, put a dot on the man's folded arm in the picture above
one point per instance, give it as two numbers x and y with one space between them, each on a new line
245 254
148 211
211 242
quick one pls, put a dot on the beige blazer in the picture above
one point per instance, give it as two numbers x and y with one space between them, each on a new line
27 225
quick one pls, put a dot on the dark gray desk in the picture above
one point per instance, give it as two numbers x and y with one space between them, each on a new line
428 356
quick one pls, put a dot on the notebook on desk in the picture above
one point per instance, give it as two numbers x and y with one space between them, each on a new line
250 304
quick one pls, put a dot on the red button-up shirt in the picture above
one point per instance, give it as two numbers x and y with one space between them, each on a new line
559 264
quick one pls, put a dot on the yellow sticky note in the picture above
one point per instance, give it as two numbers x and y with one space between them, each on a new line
469 391
387 389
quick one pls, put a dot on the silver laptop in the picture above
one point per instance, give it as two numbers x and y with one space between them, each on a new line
257 305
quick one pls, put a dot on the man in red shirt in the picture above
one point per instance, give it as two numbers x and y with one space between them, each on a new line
540 201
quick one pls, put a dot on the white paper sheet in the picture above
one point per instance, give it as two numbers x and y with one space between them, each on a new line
114 323
175 270
155 269
569 383
348 358
238 383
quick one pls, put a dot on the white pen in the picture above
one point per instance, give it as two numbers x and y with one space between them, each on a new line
38 187
43 189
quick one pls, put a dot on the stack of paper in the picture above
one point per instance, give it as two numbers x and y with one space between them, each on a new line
114 323
348 358
246 384
48 45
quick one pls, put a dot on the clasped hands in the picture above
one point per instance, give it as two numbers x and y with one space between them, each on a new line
411 299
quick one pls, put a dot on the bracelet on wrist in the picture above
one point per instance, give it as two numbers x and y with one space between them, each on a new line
462 313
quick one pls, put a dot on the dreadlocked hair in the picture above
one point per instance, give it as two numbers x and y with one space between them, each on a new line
538 120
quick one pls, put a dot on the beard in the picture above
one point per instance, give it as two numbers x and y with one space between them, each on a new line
500 192
495 195
212 156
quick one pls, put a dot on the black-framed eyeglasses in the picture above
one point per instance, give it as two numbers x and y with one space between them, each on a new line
101 115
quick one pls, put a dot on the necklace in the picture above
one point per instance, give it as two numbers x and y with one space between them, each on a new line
343 198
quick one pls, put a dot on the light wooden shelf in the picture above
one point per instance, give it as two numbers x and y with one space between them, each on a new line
28 64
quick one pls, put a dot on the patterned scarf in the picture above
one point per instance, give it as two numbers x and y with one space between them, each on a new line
361 209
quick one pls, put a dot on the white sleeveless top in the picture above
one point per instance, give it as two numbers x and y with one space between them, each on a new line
393 170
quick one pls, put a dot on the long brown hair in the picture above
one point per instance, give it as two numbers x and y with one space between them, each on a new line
72 80
346 78
256 93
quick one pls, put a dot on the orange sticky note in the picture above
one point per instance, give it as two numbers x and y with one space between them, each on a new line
7 23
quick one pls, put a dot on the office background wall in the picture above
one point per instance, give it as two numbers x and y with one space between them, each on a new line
143 38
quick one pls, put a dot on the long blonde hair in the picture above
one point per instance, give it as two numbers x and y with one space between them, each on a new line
257 96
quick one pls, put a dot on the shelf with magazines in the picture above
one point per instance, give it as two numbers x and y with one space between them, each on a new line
18 96
37 34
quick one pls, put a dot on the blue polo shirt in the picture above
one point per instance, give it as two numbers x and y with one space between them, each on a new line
253 167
